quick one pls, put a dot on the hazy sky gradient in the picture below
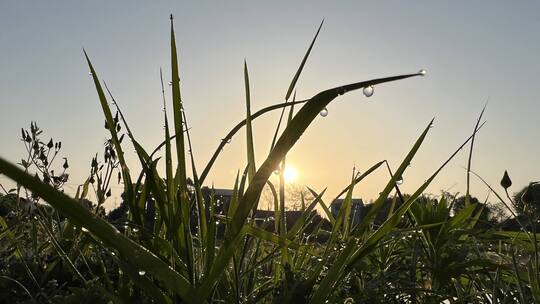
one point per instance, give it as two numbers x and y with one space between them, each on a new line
473 51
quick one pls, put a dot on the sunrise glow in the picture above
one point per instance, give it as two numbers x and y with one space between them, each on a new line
291 174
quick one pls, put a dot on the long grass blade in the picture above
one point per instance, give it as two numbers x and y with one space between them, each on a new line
469 161
392 182
290 136
249 130
301 67
133 253
114 136
350 257
180 175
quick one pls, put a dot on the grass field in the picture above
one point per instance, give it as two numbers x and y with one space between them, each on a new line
172 241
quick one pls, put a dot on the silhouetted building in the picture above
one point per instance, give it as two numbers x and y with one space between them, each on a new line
357 209
222 199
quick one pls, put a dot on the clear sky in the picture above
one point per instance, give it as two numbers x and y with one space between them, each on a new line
473 51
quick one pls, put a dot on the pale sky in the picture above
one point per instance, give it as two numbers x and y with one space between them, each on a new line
472 51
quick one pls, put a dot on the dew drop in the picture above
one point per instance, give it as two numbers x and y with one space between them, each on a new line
368 91
399 181
422 72
90 73
324 112
170 83
135 230
142 272
319 260
84 229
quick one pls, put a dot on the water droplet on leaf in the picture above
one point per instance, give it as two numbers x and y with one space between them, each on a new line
368 91
142 272
422 72
324 112
399 181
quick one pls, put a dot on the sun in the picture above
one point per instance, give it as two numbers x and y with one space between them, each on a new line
291 174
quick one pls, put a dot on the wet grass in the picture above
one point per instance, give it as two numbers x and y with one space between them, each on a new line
176 242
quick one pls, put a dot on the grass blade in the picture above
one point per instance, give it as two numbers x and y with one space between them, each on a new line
301 67
249 131
180 176
392 182
469 161
128 187
350 258
133 253
290 136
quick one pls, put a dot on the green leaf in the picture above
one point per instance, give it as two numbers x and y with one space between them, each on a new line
349 257
114 136
290 136
180 176
144 282
325 208
378 204
273 238
232 132
302 221
301 67
344 213
249 131
467 196
360 177
132 253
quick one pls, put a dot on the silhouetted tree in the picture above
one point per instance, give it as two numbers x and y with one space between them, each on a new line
491 214
8 203
529 195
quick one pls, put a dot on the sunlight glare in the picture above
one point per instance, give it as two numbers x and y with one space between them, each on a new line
291 174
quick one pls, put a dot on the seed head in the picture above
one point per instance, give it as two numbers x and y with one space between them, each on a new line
506 182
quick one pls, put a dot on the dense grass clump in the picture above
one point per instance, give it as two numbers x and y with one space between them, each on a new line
173 239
